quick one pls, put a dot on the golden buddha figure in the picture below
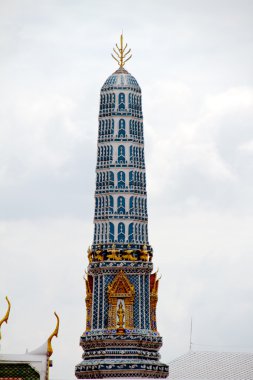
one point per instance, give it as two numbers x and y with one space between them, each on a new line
121 316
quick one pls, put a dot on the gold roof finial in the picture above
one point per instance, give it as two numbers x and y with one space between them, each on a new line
121 56
54 333
6 317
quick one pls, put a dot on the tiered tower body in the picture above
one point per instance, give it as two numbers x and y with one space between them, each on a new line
121 338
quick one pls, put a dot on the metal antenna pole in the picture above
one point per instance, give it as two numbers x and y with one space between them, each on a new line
191 335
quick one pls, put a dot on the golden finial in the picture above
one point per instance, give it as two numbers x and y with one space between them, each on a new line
6 317
54 333
121 56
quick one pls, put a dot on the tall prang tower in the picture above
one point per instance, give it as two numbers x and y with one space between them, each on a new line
121 337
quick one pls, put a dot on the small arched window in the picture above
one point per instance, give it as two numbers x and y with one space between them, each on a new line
136 232
131 179
131 153
111 204
135 179
121 205
138 179
135 205
108 148
130 127
134 154
121 101
98 233
130 232
113 101
142 233
122 128
121 232
102 233
95 233
142 206
131 205
130 101
111 179
106 233
139 132
139 232
121 180
121 154
136 128
111 232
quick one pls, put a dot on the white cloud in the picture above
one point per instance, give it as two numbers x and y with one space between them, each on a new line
247 147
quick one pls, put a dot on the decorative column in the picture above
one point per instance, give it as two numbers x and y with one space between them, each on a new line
121 338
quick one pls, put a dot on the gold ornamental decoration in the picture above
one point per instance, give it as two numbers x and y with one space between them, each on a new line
99 255
6 317
154 282
122 56
114 254
127 255
120 291
88 301
121 317
144 253
54 333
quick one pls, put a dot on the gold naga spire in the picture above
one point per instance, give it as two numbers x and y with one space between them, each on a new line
121 54
54 333
6 317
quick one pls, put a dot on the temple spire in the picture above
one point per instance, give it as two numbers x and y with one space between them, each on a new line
122 56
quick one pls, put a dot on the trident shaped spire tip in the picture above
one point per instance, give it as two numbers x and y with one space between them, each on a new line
122 56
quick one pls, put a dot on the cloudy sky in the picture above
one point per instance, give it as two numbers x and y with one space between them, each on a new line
193 60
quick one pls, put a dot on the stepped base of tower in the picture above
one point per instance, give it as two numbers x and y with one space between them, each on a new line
122 296
111 354
121 369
